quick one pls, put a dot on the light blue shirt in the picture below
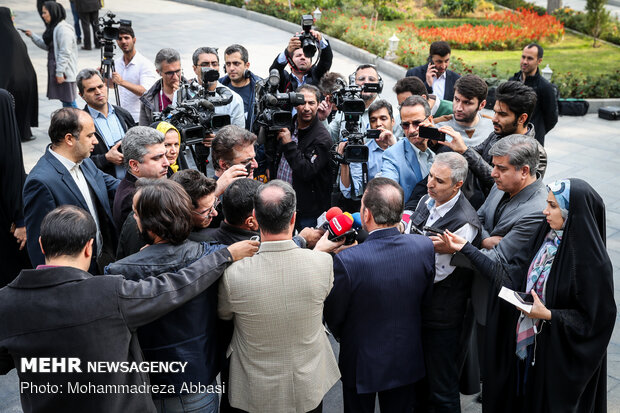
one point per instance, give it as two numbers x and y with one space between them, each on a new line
110 130
425 159
375 160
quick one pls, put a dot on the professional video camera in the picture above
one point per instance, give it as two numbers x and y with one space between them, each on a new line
274 110
194 113
309 43
107 34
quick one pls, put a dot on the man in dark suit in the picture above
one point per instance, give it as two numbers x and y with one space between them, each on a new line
438 80
61 311
111 122
374 308
66 175
303 72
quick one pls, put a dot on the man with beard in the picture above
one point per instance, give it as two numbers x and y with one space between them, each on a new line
365 73
545 114
470 94
303 159
409 160
134 74
162 93
513 107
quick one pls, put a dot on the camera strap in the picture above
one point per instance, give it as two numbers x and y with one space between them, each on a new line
354 195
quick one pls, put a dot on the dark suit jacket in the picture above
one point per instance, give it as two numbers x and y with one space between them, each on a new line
50 185
98 155
451 78
66 312
289 83
375 307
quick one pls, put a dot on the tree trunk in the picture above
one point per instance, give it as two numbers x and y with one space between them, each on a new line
553 5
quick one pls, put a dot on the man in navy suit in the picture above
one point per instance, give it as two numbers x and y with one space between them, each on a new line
66 176
438 80
375 306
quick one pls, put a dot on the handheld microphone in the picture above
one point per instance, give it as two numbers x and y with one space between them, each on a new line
357 221
322 221
339 226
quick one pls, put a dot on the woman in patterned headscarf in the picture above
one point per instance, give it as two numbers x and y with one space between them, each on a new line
554 358
172 142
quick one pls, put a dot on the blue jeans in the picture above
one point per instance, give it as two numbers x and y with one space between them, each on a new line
69 104
185 403
76 21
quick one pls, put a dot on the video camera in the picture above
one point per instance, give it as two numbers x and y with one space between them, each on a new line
107 34
274 110
348 100
194 112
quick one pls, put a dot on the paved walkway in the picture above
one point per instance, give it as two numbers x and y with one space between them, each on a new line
580 5
582 147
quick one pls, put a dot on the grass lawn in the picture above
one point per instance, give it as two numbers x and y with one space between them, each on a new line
573 54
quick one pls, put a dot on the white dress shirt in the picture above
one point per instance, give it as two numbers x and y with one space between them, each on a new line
439 86
467 231
139 71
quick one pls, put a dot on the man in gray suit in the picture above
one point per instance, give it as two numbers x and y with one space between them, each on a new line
513 209
280 358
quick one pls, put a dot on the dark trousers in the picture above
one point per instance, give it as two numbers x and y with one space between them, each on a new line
76 21
88 20
441 353
397 400
318 409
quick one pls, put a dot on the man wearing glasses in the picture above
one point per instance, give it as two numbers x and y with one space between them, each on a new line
161 94
409 160
365 73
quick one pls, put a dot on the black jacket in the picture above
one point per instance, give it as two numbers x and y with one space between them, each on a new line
188 333
66 312
451 78
310 162
225 80
98 156
289 83
545 114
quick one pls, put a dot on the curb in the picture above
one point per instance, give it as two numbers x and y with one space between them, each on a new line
384 66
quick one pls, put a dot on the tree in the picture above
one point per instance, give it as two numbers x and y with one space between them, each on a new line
553 5
597 18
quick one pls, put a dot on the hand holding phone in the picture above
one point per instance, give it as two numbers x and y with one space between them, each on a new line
428 132
434 231
525 298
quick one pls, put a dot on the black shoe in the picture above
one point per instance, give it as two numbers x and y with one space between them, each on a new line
86 48
79 40
479 398
31 138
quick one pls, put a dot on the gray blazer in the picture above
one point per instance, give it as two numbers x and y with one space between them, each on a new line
280 357
517 223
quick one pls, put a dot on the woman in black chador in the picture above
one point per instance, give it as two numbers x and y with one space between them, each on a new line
18 76
553 359
13 256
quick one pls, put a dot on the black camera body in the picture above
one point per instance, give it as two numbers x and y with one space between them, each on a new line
309 44
108 33
273 110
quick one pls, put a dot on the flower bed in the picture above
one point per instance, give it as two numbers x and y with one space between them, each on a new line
512 30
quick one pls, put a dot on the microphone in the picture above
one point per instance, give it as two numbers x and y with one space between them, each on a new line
322 222
338 226
357 220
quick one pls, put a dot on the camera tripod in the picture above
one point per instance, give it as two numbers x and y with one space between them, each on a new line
108 68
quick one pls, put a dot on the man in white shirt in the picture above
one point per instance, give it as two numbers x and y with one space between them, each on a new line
134 73
435 74
66 175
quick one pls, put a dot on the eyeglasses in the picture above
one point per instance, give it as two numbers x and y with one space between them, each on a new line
208 211
173 72
416 124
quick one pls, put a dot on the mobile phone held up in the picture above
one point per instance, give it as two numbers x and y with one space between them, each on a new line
434 231
525 298
428 132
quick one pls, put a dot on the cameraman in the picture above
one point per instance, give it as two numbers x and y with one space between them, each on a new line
381 118
303 159
134 73
365 73
303 72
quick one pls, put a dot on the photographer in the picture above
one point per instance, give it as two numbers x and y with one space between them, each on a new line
161 94
303 72
303 159
365 73
134 74
381 118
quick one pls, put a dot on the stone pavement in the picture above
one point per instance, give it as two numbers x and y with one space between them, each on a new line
580 5
580 147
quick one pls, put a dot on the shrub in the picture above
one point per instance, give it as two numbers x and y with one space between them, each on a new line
578 85
457 8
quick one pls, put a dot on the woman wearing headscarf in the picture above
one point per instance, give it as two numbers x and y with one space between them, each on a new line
13 255
18 76
172 142
554 358
61 45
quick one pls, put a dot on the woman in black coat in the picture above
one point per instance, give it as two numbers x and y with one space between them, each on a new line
554 358
17 75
